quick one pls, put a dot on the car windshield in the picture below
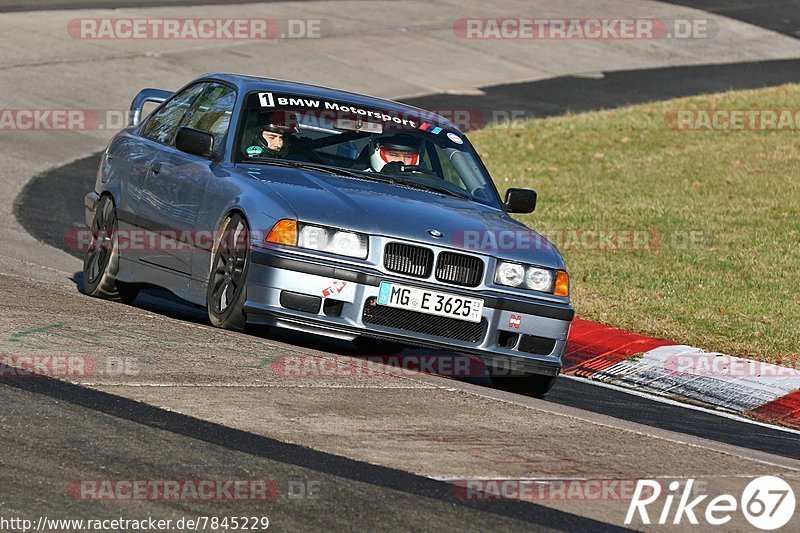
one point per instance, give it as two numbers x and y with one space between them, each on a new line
407 149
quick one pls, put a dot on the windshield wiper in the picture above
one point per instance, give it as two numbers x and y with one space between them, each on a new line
338 171
330 170
431 187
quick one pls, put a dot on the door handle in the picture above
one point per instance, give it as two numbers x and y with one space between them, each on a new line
155 168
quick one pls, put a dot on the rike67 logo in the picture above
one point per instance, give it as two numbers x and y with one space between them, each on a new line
768 503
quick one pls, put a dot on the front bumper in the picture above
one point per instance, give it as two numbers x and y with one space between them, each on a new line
518 335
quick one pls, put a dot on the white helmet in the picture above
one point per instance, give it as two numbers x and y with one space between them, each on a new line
403 143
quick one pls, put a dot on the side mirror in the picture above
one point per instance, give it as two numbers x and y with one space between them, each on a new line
194 142
520 200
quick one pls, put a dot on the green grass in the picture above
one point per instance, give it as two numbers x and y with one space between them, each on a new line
737 290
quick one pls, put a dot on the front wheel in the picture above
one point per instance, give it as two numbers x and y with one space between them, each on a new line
101 258
226 285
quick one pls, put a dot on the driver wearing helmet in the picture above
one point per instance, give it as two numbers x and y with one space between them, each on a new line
401 149
272 138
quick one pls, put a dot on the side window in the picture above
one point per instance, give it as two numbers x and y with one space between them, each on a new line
162 125
211 113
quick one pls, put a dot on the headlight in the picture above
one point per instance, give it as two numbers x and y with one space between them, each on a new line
510 274
538 279
346 243
332 241
531 277
313 237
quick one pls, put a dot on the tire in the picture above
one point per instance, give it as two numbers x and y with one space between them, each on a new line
535 385
227 282
373 346
101 258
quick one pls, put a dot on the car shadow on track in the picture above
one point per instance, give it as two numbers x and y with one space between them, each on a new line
408 358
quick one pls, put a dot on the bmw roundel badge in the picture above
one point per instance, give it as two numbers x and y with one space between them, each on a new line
435 233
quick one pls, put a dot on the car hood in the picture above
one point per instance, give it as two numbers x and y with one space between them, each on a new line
402 212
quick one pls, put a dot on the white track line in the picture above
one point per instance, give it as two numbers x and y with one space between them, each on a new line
669 401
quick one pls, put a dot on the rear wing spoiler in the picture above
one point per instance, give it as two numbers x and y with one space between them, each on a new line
144 96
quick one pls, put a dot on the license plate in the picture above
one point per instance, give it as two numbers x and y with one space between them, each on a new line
430 302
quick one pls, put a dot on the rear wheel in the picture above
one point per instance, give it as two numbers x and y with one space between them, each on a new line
226 285
535 385
101 259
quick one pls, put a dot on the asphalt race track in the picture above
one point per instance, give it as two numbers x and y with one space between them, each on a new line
777 15
575 94
383 450
399 498
49 223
